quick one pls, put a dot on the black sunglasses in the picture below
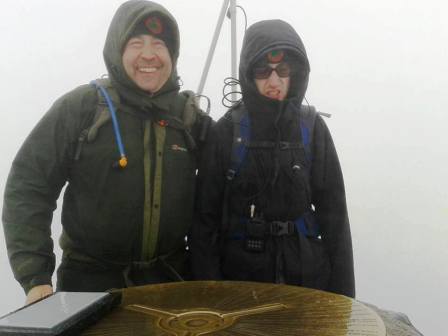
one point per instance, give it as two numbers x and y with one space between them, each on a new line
283 70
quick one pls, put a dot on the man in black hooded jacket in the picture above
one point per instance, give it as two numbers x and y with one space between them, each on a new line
251 217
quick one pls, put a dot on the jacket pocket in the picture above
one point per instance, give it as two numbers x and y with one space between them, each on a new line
315 262
102 203
239 264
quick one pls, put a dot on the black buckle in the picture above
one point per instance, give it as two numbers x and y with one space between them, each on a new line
284 145
277 228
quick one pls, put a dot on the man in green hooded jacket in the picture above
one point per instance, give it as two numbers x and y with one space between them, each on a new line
130 182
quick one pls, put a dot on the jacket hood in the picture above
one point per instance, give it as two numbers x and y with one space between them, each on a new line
265 36
123 24
265 178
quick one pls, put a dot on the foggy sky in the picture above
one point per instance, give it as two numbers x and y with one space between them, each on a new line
379 67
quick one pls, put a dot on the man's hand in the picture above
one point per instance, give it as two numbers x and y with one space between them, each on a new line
38 292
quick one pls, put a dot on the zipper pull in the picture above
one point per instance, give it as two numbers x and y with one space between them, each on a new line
81 139
252 210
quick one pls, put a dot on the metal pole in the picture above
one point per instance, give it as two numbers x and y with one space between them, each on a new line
211 51
232 10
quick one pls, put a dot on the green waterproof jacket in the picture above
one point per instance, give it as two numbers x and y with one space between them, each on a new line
111 216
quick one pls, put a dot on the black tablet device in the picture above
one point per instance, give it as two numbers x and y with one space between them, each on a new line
63 313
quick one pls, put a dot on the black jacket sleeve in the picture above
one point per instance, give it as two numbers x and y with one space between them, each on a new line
328 194
205 237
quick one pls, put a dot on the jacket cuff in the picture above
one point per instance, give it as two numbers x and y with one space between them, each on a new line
37 280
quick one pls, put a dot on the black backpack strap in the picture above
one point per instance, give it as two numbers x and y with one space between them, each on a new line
307 224
103 114
93 122
197 122
241 137
190 119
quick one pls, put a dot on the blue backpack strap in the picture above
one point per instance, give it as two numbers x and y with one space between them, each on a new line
241 136
307 119
307 225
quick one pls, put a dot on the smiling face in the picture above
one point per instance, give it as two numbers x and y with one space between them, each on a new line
147 62
274 86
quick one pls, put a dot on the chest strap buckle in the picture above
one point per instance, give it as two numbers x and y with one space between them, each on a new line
277 228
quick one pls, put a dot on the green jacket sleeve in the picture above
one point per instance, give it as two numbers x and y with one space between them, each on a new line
38 173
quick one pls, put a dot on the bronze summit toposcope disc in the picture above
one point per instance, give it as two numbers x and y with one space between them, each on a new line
230 308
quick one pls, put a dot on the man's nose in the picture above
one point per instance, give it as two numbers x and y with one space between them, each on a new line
274 79
148 52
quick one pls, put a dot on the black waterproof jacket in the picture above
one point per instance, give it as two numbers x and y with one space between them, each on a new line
268 184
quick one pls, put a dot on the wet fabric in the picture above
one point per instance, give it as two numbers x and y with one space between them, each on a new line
108 214
268 182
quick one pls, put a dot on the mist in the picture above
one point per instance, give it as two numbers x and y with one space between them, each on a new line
379 67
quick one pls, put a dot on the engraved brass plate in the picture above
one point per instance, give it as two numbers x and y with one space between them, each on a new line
236 308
